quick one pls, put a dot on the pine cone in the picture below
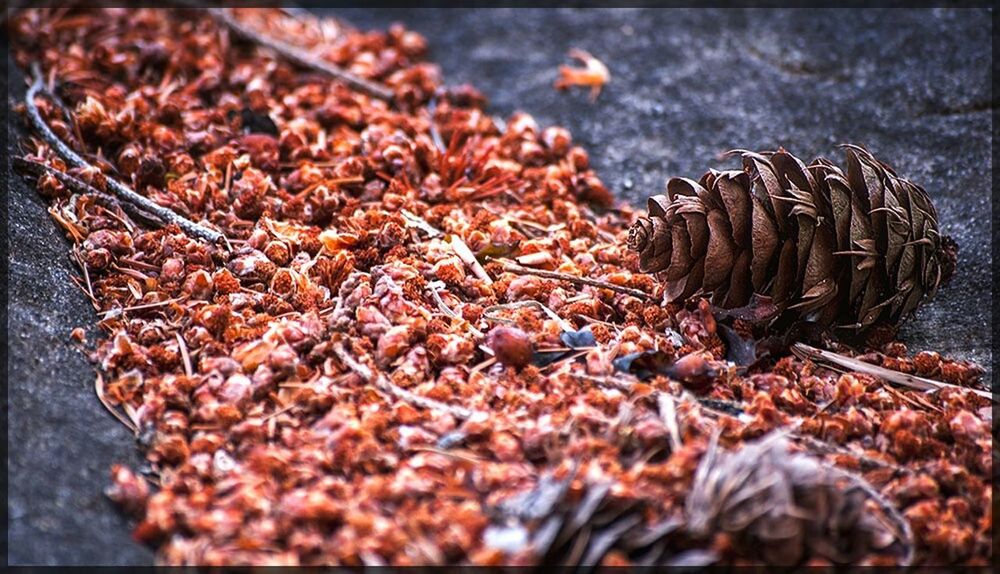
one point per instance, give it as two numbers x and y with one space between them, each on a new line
548 526
857 249
785 508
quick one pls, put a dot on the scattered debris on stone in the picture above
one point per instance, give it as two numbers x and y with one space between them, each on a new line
422 338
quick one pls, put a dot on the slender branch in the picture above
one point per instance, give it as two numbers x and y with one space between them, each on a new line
120 191
77 185
385 385
894 377
519 270
302 57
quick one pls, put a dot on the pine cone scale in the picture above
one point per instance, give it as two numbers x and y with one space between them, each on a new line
764 243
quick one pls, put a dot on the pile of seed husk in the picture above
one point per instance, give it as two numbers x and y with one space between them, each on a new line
392 358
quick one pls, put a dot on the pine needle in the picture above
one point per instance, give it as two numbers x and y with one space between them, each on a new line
893 377
519 270
383 384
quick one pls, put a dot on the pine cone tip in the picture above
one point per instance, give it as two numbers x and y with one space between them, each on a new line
638 235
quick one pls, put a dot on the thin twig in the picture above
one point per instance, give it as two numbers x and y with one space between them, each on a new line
77 185
76 281
567 359
893 377
141 264
86 276
184 354
302 57
490 312
483 365
280 411
118 311
433 288
382 383
611 382
519 270
120 191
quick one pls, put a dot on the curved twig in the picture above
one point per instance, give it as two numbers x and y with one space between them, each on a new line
909 381
519 270
119 190
38 169
302 57
383 384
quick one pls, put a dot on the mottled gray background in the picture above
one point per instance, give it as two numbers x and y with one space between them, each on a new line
912 85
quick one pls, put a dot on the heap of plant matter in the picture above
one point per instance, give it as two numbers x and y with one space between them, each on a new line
328 385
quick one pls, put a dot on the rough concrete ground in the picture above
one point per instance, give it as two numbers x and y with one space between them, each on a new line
912 85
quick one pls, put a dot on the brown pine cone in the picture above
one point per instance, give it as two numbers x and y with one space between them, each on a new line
787 507
845 249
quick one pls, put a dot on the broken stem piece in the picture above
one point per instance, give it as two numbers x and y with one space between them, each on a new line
469 258
519 270
385 385
893 377
119 190
302 57
76 185
490 312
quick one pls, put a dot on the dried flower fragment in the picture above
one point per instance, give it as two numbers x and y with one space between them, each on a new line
594 74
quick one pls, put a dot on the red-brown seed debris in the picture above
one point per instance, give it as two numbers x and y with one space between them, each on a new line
319 390
511 346
594 74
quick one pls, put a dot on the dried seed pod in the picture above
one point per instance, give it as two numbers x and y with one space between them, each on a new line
511 346
785 508
856 248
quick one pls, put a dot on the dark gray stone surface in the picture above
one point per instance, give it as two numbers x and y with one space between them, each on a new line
60 441
912 85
